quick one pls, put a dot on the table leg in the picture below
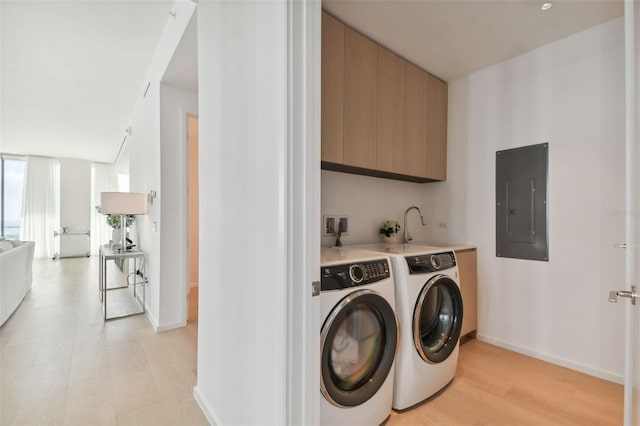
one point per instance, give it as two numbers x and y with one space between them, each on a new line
135 277
100 275
105 289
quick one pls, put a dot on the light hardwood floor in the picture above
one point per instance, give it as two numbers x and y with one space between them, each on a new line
60 364
494 386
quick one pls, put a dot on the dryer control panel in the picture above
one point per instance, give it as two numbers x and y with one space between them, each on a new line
429 263
349 275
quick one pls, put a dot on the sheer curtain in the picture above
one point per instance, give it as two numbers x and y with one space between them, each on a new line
103 180
41 204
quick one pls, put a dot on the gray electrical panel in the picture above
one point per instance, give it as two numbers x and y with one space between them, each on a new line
521 202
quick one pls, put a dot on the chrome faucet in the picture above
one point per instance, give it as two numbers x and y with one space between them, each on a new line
405 236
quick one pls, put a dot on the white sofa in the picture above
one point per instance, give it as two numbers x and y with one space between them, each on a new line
16 274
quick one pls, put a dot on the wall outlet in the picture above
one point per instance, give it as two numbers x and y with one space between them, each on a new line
343 224
335 222
329 223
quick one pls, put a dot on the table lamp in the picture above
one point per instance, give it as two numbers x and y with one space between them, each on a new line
123 204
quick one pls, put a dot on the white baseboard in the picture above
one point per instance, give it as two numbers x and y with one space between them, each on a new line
152 319
553 359
160 328
206 408
166 327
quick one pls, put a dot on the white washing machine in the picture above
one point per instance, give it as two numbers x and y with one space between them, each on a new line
429 309
358 338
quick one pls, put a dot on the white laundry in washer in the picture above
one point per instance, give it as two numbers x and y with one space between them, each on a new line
358 338
429 309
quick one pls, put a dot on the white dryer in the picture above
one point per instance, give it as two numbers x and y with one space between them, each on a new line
429 309
358 338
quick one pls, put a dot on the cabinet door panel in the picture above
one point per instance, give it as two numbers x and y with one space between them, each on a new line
415 125
390 123
360 100
437 129
467 268
332 89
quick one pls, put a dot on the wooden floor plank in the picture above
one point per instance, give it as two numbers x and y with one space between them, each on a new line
495 386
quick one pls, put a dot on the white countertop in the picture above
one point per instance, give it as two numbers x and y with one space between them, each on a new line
402 249
452 246
364 252
337 255
412 248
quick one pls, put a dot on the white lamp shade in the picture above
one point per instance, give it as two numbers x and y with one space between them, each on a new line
123 203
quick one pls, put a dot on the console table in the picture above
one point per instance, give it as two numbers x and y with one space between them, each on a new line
106 254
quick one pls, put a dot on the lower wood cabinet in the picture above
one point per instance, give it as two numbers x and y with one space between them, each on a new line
468 270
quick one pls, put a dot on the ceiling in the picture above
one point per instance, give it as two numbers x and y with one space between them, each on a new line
70 71
453 38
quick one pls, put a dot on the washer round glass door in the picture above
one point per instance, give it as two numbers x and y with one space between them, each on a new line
437 319
358 344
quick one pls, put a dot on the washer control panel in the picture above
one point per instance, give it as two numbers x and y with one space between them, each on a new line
338 277
429 263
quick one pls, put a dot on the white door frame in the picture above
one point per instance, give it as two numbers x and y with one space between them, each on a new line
632 275
303 238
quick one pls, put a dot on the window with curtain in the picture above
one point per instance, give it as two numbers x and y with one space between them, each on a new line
41 204
103 179
12 170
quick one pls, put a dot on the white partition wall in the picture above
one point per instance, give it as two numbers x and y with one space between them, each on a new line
258 235
152 153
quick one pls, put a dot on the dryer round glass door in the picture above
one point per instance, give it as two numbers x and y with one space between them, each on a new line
437 319
358 344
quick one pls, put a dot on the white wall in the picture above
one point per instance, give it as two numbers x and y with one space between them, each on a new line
175 103
369 201
243 277
121 167
145 147
570 94
144 175
75 205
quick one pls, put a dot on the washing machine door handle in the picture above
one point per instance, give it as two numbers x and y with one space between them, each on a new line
342 281
419 269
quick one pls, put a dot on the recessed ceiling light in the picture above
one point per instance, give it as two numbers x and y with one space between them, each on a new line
546 6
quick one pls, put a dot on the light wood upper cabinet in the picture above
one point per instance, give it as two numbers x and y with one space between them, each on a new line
467 268
415 123
436 129
332 89
360 100
390 119
381 115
